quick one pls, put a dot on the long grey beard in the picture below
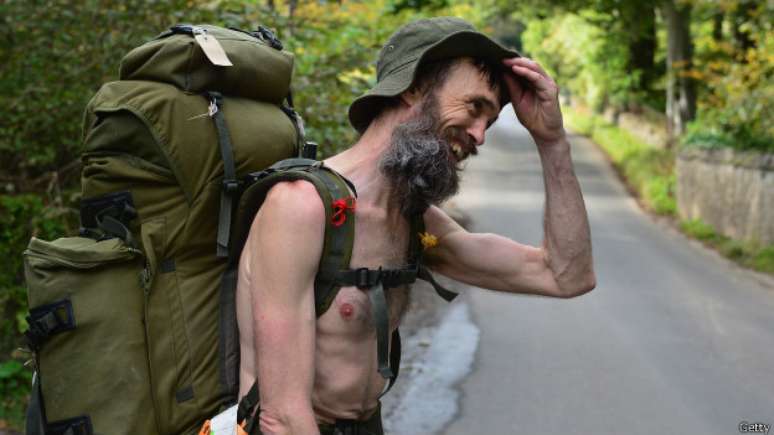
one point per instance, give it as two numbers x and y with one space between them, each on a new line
418 164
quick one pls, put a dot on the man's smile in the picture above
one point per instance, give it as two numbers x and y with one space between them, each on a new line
460 148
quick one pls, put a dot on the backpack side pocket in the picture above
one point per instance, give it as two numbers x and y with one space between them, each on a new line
87 329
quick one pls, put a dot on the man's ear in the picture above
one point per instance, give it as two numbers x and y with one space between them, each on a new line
411 97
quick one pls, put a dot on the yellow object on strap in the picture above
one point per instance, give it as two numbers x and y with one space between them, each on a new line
428 240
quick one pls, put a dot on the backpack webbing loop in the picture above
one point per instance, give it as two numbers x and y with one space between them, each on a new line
35 419
47 320
424 274
72 426
230 183
380 314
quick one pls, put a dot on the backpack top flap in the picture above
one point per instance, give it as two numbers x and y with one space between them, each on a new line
185 137
261 70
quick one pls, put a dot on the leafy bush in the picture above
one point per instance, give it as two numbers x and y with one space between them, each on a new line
737 91
697 229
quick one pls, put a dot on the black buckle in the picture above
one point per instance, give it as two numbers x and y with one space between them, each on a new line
215 97
230 186
361 278
268 36
76 426
47 320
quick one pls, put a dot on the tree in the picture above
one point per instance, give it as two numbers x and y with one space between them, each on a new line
680 88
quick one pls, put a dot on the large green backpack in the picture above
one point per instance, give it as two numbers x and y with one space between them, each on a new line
133 323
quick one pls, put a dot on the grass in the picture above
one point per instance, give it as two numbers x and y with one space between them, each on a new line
649 172
752 255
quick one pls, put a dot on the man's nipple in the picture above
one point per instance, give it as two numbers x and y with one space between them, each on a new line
346 310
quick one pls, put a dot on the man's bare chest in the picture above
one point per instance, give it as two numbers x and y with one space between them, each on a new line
378 243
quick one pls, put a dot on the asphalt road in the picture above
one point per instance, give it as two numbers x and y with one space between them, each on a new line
674 340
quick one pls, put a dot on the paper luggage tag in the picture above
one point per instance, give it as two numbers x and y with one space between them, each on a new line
225 423
212 48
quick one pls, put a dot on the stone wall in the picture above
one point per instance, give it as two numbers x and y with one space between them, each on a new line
732 191
645 124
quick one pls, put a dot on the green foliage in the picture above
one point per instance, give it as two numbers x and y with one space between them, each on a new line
661 194
600 51
763 260
697 229
735 66
15 380
760 258
719 129
55 55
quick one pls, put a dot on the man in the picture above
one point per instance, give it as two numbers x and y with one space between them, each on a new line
440 85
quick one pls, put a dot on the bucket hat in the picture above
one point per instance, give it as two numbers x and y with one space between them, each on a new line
414 44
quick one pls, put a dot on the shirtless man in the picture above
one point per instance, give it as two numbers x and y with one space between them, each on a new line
416 129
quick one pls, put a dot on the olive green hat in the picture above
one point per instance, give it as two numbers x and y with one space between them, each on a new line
413 44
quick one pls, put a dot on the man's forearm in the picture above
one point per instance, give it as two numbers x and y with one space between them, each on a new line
567 235
298 420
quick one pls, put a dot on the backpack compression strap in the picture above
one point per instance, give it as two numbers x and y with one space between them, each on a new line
231 185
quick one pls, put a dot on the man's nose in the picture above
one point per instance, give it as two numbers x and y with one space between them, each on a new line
477 132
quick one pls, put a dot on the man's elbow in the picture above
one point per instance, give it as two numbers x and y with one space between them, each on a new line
579 286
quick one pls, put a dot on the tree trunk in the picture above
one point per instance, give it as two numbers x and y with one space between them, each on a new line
270 4
681 89
717 26
742 38
292 4
640 19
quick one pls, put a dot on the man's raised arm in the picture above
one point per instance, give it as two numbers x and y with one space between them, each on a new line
567 237
563 266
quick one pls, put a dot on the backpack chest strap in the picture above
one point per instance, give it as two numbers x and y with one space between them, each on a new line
365 278
376 282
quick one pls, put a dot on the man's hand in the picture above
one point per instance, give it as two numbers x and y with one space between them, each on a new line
536 104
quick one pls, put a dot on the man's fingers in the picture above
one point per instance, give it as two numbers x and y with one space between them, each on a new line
540 82
526 63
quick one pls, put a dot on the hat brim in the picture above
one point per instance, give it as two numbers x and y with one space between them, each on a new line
460 44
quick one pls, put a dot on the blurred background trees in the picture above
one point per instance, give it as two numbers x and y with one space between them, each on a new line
706 65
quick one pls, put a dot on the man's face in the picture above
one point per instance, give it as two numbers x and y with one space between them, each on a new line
467 107
422 162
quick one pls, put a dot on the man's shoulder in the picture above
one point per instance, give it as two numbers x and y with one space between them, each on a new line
294 202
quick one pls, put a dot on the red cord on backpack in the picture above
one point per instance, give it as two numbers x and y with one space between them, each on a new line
340 207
